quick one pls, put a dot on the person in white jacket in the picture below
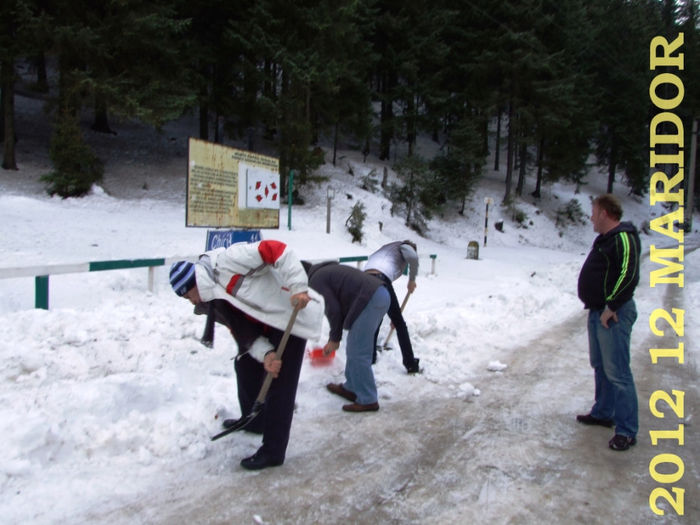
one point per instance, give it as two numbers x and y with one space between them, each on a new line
252 289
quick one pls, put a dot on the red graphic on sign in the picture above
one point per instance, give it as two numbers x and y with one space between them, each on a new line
268 193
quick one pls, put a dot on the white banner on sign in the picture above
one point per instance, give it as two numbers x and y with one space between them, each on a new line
260 188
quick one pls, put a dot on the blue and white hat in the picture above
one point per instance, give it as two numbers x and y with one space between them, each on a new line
182 277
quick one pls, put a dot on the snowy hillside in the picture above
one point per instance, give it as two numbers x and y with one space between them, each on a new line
109 399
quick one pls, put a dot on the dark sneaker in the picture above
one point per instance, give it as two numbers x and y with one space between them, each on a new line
259 461
620 442
588 419
357 407
413 368
339 390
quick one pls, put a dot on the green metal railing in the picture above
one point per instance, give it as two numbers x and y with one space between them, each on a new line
41 273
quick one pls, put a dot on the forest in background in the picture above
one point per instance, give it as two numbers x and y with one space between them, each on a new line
561 81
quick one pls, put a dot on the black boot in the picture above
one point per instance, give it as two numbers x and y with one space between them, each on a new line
259 461
413 368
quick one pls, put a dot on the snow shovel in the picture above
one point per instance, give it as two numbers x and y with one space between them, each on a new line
318 358
391 330
260 400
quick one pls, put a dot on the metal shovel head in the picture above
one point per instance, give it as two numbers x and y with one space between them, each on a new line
240 424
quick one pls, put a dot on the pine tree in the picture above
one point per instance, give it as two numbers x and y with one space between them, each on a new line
565 117
622 78
118 55
9 49
76 167
419 195
690 108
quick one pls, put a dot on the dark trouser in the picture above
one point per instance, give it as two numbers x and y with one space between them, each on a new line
275 421
397 320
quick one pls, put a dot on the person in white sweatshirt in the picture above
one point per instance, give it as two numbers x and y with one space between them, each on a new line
252 289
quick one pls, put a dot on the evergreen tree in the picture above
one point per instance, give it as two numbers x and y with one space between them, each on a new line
133 66
458 170
565 118
418 196
117 55
341 98
689 16
622 78
410 41
8 52
214 60
519 58
76 167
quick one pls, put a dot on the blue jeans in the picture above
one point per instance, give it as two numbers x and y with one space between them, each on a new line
615 394
359 377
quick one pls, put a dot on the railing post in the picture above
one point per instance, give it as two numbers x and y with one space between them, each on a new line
151 278
41 292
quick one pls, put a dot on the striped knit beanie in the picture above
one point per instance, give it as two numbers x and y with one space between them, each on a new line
182 277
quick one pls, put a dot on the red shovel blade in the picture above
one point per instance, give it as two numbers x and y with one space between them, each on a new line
317 357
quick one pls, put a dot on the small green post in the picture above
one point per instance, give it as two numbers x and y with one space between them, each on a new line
41 292
290 188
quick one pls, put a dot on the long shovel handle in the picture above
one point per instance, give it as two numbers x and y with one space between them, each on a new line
403 305
260 400
278 355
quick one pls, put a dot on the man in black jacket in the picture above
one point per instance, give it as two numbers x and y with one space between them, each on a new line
605 286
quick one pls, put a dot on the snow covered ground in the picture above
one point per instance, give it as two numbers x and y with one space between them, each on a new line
107 400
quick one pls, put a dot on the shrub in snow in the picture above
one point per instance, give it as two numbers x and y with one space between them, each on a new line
571 212
356 221
76 167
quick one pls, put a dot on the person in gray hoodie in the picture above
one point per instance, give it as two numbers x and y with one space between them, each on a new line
388 264
354 301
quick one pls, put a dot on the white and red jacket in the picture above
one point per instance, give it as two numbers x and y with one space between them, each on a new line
259 279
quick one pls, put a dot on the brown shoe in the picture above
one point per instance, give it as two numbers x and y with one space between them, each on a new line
339 390
356 407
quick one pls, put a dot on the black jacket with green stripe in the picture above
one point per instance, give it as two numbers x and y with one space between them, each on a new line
611 271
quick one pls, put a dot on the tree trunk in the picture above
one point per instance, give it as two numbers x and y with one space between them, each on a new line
203 117
540 169
522 156
612 166
42 81
101 122
335 141
410 202
611 176
386 118
411 124
218 134
2 108
67 100
8 112
497 153
510 154
270 92
204 101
